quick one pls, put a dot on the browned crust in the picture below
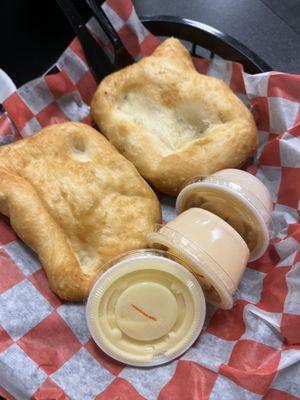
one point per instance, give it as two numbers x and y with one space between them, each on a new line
169 75
44 224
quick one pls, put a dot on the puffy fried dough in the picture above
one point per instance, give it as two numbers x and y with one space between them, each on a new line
76 201
172 122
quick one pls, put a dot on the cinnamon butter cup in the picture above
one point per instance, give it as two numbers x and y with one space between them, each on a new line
210 248
237 197
146 309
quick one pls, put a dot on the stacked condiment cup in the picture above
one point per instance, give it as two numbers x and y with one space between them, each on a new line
148 306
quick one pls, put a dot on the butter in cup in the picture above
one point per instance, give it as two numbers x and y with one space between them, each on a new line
146 309
237 197
210 248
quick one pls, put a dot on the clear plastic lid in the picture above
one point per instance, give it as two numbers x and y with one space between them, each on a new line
146 309
218 287
248 195
241 208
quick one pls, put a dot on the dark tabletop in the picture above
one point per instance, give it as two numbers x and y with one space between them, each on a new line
34 33
270 28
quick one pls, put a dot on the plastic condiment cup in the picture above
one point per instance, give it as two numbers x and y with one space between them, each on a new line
237 197
146 309
210 248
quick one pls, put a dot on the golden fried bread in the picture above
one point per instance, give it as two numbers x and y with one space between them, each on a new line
76 201
172 122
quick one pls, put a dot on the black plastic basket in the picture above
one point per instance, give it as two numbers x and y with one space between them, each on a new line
196 36
206 37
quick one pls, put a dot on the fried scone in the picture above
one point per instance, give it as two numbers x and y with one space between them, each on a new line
76 201
172 122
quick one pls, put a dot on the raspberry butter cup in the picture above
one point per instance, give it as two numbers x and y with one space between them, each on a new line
210 248
237 197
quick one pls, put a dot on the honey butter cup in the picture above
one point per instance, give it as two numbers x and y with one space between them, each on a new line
146 309
237 197
210 248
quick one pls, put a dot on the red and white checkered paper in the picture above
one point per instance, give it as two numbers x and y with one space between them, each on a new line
249 352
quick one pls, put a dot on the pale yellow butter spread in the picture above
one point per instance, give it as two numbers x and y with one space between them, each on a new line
146 309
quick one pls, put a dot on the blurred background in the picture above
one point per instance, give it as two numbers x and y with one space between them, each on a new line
34 33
